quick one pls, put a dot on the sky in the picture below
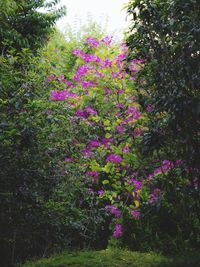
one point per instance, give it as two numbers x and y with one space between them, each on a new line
99 10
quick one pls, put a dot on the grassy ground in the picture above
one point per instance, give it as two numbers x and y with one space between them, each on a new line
114 258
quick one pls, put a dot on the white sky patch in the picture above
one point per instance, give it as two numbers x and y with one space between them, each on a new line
105 12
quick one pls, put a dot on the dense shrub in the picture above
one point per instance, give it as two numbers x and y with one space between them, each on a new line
108 126
166 34
41 209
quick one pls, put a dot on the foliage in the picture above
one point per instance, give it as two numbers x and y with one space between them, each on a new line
24 160
23 25
115 257
166 34
40 212
107 125
91 143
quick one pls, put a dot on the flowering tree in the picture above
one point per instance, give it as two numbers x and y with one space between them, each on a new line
107 125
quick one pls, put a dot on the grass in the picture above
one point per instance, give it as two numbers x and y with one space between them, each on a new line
114 258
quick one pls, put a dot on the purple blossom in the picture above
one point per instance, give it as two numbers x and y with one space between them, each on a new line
82 70
93 42
61 95
119 105
132 109
57 96
50 78
77 52
87 152
99 74
124 47
106 63
101 193
94 143
68 83
120 129
107 40
69 159
115 74
114 158
90 111
86 57
118 231
149 108
87 84
106 142
80 113
107 91
134 112
120 57
93 174
113 210
135 214
178 162
137 184
137 132
165 167
120 91
125 149
154 196
90 58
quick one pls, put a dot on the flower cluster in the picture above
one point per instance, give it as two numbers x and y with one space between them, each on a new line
108 124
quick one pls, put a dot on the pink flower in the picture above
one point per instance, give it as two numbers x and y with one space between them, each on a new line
106 63
77 52
80 113
120 129
93 174
137 184
87 152
107 91
149 108
119 105
118 231
135 214
87 84
120 57
125 149
93 42
94 143
50 78
154 196
68 83
178 162
120 91
113 210
61 95
101 193
90 58
58 96
82 70
69 159
124 47
132 109
114 158
107 40
115 74
90 111
137 132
